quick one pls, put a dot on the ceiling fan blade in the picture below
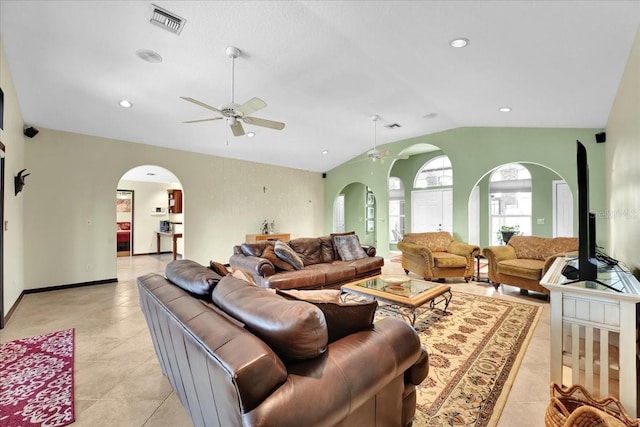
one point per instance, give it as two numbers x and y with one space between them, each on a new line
202 120
251 106
237 129
263 122
202 104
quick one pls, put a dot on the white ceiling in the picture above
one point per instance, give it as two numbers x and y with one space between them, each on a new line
323 67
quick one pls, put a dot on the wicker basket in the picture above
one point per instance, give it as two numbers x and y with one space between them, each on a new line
574 407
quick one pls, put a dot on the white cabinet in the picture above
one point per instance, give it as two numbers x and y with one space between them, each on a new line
594 330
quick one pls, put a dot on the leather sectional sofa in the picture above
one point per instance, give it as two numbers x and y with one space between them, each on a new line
240 355
323 266
525 259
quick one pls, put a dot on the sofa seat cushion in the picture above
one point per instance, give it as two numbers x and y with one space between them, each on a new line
364 265
334 272
343 317
293 329
447 260
526 268
297 279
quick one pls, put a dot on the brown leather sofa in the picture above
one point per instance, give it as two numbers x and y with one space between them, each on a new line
323 266
437 255
525 259
240 355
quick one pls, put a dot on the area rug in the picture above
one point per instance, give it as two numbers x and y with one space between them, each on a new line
36 381
475 350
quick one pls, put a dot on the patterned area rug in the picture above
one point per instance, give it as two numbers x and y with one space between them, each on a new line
36 381
475 351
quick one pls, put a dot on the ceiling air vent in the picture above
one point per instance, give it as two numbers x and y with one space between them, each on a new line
167 20
392 126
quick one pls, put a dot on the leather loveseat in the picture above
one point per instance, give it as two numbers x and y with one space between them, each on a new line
323 264
525 259
240 355
436 254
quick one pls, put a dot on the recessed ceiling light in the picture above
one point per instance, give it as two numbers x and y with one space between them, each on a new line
149 56
459 42
125 104
504 109
251 134
325 151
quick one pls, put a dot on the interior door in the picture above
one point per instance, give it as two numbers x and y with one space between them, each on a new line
562 209
431 210
338 214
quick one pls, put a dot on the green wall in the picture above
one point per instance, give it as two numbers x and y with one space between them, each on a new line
474 152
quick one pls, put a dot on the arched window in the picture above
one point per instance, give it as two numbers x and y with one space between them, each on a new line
396 210
437 172
510 200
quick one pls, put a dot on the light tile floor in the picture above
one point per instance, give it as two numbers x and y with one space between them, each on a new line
118 381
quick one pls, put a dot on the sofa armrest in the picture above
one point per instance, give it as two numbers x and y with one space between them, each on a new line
494 255
463 249
415 249
499 253
419 370
329 387
252 264
369 250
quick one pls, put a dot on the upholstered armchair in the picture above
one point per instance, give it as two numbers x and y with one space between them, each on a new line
437 255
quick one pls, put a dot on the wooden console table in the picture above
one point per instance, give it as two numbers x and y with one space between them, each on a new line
175 237
589 312
252 238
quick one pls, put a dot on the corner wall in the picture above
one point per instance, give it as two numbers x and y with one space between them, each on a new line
623 171
12 137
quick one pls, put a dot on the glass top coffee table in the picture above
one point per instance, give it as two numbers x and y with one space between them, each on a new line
404 294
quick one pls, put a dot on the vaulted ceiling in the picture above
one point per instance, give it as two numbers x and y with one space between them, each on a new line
323 67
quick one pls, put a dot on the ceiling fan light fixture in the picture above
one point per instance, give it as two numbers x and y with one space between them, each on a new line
149 56
459 42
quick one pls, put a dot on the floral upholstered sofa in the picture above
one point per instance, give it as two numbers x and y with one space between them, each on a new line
437 255
525 259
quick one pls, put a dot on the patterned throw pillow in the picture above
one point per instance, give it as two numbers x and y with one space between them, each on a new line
269 254
285 253
349 247
343 317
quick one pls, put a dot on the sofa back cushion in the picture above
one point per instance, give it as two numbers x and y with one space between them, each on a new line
192 277
293 329
436 241
253 249
540 248
309 249
328 251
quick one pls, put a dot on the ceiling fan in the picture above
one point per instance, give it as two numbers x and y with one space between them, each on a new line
374 154
234 113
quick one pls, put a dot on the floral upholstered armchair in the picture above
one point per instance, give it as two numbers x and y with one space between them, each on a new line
437 255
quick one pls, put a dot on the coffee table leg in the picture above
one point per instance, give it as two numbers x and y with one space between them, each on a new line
446 297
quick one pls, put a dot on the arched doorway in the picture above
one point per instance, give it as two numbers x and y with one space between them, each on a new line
155 216
551 204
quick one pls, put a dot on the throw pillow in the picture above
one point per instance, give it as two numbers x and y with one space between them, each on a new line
285 253
349 247
192 277
219 268
293 329
343 317
270 255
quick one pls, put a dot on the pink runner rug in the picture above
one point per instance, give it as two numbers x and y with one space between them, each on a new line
36 381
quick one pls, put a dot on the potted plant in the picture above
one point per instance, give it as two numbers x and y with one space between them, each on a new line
506 232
